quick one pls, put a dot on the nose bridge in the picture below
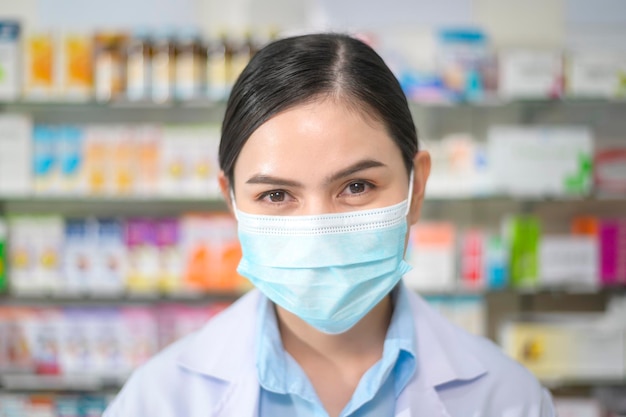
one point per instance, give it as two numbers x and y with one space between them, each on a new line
317 202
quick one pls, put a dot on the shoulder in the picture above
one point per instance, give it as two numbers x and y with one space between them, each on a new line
504 386
169 384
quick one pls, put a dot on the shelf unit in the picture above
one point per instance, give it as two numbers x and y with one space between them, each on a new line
606 117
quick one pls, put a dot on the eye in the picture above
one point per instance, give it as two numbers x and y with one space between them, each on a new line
274 196
357 187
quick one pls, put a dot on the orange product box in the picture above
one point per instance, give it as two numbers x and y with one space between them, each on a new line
212 253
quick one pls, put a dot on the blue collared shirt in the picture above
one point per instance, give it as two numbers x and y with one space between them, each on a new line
286 390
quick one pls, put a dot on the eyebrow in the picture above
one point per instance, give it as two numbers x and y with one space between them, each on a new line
354 168
346 172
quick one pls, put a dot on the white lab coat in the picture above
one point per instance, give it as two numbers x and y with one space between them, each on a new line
212 373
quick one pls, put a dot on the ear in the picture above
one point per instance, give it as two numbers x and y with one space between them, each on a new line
421 171
224 184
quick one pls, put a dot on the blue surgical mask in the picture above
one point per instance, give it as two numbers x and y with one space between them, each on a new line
330 270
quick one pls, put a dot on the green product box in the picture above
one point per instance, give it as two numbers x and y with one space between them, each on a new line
523 235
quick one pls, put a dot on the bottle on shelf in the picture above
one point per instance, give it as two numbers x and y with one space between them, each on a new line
190 65
163 67
218 62
110 68
138 66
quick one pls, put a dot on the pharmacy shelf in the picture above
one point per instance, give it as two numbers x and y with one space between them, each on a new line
108 205
60 383
126 298
554 383
212 103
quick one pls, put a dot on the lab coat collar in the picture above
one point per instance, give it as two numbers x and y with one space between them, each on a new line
442 358
224 349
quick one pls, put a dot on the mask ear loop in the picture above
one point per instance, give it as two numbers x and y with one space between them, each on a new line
410 197
232 201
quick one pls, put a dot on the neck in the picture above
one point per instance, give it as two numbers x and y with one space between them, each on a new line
362 343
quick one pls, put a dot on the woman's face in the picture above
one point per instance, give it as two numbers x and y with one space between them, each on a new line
319 157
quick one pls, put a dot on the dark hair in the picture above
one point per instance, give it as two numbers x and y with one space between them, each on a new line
301 69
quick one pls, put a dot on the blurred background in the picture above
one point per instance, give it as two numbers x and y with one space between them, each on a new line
114 241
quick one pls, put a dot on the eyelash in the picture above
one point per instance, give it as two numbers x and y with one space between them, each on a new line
265 195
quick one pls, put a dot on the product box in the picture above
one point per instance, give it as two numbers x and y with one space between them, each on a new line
106 329
472 259
522 236
468 311
41 66
76 72
110 258
43 334
171 266
459 168
79 251
124 162
609 170
148 143
569 261
22 253
573 346
140 337
496 262
578 407
3 255
75 348
530 74
17 352
15 155
10 74
188 161
143 256
45 159
212 253
71 163
541 161
48 237
431 253
98 160
593 74
612 236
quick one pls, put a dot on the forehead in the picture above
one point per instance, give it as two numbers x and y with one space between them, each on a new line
319 135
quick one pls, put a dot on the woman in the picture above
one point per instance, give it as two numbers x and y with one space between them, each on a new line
320 165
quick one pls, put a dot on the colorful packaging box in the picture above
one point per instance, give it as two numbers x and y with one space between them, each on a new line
212 253
76 67
171 267
568 261
432 254
522 235
15 154
70 150
3 255
472 262
593 74
541 160
10 79
45 159
78 256
612 236
530 74
41 66
143 256
110 258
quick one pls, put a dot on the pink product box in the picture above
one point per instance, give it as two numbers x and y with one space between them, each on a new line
612 236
